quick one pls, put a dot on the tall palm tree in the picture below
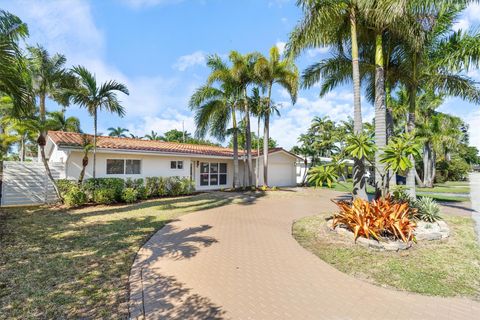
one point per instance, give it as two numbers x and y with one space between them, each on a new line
50 79
244 75
118 132
94 98
226 97
269 72
328 23
56 120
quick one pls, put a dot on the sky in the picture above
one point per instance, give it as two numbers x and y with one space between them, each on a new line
158 49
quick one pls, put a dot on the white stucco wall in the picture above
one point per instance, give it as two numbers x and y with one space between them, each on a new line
282 170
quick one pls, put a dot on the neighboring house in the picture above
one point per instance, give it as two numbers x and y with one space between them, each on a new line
210 167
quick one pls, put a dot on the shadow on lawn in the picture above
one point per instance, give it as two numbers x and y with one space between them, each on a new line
60 263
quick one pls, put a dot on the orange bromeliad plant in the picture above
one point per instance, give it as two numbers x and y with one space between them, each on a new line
379 218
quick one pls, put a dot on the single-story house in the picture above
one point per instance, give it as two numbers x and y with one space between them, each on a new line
210 167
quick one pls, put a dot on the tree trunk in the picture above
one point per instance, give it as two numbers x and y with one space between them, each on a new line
392 176
257 163
42 141
84 166
359 183
428 165
266 138
236 179
248 140
1 164
381 184
417 178
94 142
22 152
412 100
433 167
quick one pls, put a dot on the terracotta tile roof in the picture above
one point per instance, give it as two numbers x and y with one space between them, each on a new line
74 140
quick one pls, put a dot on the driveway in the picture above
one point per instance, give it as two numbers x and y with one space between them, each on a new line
241 262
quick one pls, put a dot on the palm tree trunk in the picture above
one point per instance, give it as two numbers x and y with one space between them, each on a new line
248 140
84 166
410 127
359 185
417 178
42 142
94 142
392 176
22 149
257 163
236 179
1 164
381 184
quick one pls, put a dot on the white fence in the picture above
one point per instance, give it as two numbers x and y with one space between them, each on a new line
27 183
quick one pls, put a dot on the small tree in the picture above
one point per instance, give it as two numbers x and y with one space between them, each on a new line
87 147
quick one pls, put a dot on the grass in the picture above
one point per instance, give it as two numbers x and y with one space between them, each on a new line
58 263
443 198
439 268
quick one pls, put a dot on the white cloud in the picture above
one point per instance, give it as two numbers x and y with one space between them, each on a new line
296 119
312 53
281 46
470 17
284 20
190 60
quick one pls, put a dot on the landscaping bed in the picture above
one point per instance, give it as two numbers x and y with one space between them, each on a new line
449 267
60 263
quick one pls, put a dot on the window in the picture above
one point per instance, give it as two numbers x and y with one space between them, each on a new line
132 166
213 174
176 164
123 166
115 166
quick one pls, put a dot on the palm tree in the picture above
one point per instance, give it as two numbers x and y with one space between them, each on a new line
50 79
94 98
133 136
269 72
327 23
87 146
56 120
117 132
216 105
153 136
244 75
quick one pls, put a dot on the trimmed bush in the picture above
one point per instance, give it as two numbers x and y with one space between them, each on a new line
428 209
105 196
116 185
129 195
187 186
151 185
174 186
162 186
75 197
141 193
65 185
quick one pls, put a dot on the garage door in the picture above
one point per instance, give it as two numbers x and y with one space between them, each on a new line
281 174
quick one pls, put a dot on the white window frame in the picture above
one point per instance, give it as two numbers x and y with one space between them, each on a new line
176 164
210 174
124 167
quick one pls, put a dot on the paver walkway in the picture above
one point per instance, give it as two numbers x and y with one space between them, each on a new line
241 262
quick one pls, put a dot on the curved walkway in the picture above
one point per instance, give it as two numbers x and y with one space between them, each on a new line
241 262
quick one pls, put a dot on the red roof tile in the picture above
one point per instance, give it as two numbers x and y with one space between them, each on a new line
74 140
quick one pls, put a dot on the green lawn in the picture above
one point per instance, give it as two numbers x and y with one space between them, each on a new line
58 263
443 268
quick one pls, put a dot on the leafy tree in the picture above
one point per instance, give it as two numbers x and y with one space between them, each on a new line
175 135
117 132
154 136
94 97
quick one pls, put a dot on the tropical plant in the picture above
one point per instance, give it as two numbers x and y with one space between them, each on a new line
382 218
175 135
94 98
129 195
154 136
269 72
428 209
117 132
216 104
322 175
87 146
50 79
328 23
75 197
57 121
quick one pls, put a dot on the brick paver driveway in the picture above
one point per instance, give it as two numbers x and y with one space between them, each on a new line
241 262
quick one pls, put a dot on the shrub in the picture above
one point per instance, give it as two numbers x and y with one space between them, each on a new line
173 186
379 218
428 209
454 170
129 195
151 185
105 196
162 186
141 193
64 186
114 184
187 186
75 197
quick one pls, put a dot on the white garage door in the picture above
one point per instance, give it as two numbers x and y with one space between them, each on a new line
281 174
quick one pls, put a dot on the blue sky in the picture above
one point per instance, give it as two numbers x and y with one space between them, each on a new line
158 48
